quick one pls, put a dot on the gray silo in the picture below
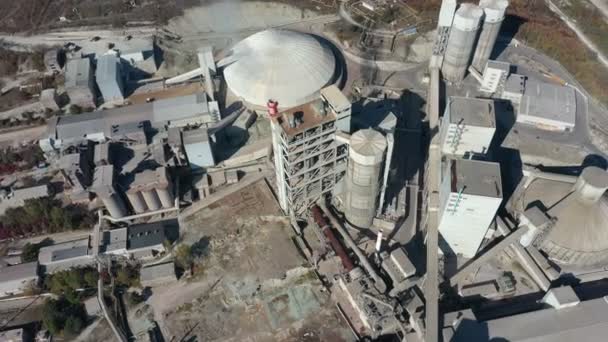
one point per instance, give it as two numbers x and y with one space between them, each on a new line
151 198
366 157
494 15
103 187
461 42
137 201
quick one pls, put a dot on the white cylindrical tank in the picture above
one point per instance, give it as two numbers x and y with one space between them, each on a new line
366 156
151 198
461 42
115 206
591 185
494 11
137 201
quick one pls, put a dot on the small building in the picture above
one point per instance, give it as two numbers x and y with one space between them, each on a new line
92 306
198 148
514 89
339 104
548 106
18 278
80 82
468 126
471 193
158 274
398 266
109 78
66 255
494 75
147 240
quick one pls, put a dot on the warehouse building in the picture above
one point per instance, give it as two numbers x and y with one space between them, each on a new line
468 126
63 256
548 106
109 78
158 274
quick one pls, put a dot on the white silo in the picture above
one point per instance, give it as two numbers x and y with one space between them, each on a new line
164 188
461 42
366 156
151 198
494 15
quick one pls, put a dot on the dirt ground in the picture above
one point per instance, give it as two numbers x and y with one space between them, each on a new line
252 284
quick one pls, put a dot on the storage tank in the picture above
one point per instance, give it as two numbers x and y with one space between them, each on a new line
461 42
114 204
494 15
164 188
366 155
579 211
151 198
137 201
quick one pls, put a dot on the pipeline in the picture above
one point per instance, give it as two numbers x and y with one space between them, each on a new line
317 214
378 281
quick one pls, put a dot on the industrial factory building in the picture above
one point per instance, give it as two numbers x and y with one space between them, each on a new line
309 160
547 105
577 210
468 126
109 78
471 193
286 66
19 278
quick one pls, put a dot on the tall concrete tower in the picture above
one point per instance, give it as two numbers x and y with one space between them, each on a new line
461 42
366 155
494 15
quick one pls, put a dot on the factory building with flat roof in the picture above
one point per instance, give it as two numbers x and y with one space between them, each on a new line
548 106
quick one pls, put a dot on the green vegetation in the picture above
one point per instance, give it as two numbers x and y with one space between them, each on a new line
127 276
63 317
44 215
589 19
184 256
533 23
70 283
30 250
19 159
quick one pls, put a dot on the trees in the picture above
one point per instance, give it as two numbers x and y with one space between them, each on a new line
30 252
67 282
63 317
183 256
43 215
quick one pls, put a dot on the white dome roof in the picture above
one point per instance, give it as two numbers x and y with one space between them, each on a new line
287 66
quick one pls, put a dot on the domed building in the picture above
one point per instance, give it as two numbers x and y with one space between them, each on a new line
579 210
287 66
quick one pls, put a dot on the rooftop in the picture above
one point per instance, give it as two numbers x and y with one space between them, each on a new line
474 177
77 72
472 112
308 114
548 101
336 99
149 234
107 68
586 321
158 113
63 251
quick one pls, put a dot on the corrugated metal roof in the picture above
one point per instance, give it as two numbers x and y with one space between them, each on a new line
62 251
107 68
148 234
158 271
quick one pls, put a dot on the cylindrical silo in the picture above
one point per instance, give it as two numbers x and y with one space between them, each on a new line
494 15
591 185
151 198
461 42
115 206
137 201
164 188
366 155
166 197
